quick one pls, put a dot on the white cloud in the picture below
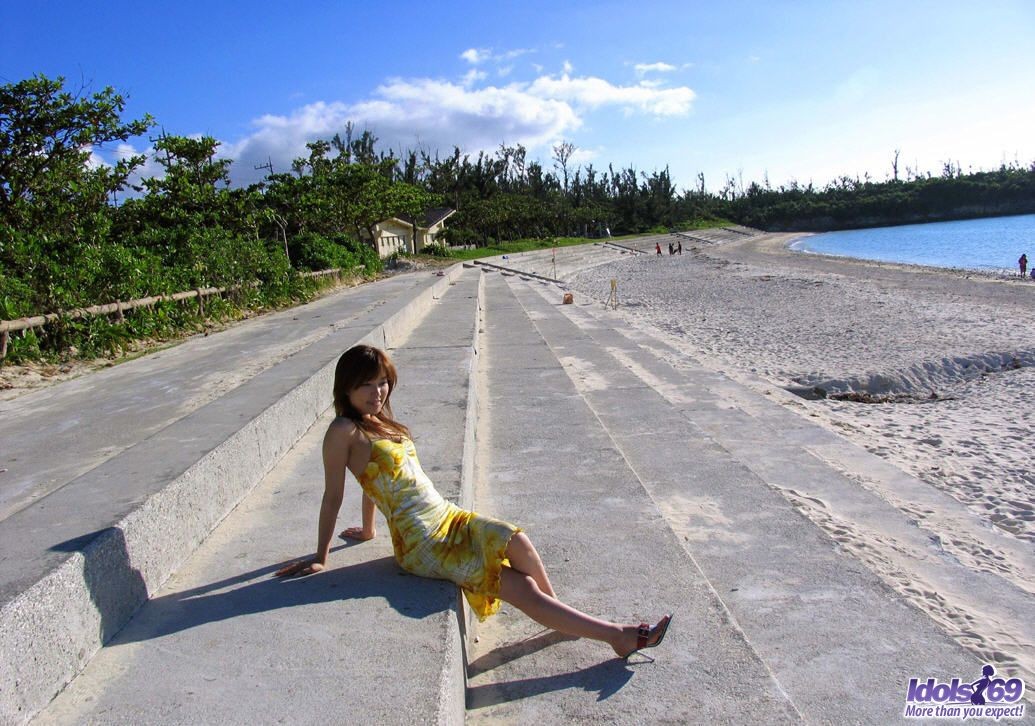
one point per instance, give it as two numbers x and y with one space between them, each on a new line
473 76
512 54
568 67
474 56
437 114
581 157
593 92
94 160
659 67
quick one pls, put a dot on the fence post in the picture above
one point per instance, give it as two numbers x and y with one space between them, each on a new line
4 337
201 303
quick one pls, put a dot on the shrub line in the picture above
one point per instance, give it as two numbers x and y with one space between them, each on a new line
119 307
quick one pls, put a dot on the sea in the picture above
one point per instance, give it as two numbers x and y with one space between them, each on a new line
991 244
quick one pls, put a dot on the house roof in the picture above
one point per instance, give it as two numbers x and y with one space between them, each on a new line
431 217
436 214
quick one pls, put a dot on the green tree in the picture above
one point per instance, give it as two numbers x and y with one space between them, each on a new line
362 194
47 134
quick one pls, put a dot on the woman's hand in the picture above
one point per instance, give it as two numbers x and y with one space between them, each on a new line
302 567
358 533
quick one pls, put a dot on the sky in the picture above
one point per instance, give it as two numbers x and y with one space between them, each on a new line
783 91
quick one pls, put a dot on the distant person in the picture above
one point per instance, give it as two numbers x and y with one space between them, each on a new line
671 249
679 249
1023 263
657 246
1033 273
491 560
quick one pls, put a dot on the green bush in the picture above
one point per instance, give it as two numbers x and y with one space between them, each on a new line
23 346
437 249
310 251
364 254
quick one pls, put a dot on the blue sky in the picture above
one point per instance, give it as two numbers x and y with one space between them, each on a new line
793 90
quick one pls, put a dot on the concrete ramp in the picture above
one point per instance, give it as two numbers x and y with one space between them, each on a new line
555 470
84 548
363 640
831 631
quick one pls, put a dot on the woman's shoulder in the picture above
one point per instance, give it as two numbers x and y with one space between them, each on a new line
342 428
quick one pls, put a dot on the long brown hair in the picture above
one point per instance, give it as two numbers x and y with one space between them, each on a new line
357 365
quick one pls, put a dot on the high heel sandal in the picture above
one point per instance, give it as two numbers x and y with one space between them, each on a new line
643 633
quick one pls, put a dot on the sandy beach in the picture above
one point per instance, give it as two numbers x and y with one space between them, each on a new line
931 370
948 356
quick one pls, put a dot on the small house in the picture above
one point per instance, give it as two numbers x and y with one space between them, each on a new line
403 234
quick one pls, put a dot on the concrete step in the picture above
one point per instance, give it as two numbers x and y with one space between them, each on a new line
885 517
139 398
80 560
559 263
235 645
647 243
830 631
548 465
773 415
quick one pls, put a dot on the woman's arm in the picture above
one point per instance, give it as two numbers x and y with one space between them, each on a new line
369 529
336 448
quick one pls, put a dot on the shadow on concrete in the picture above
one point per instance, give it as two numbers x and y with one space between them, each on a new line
513 651
605 679
116 588
259 591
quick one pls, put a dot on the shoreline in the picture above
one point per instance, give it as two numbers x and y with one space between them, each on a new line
1001 273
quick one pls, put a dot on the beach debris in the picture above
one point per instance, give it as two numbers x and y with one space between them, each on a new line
814 393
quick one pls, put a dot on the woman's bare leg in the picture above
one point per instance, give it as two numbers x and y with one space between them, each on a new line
522 591
524 558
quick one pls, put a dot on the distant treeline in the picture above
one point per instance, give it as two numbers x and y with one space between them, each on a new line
76 232
850 203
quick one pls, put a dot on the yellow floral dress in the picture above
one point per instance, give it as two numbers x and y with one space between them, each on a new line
433 537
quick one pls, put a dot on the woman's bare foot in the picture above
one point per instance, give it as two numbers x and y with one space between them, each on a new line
356 533
302 567
629 642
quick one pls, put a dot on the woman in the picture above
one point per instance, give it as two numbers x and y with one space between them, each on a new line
490 559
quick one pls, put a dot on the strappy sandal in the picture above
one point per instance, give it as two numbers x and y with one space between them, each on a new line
643 633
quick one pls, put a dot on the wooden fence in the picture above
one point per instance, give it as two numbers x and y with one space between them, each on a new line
119 308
